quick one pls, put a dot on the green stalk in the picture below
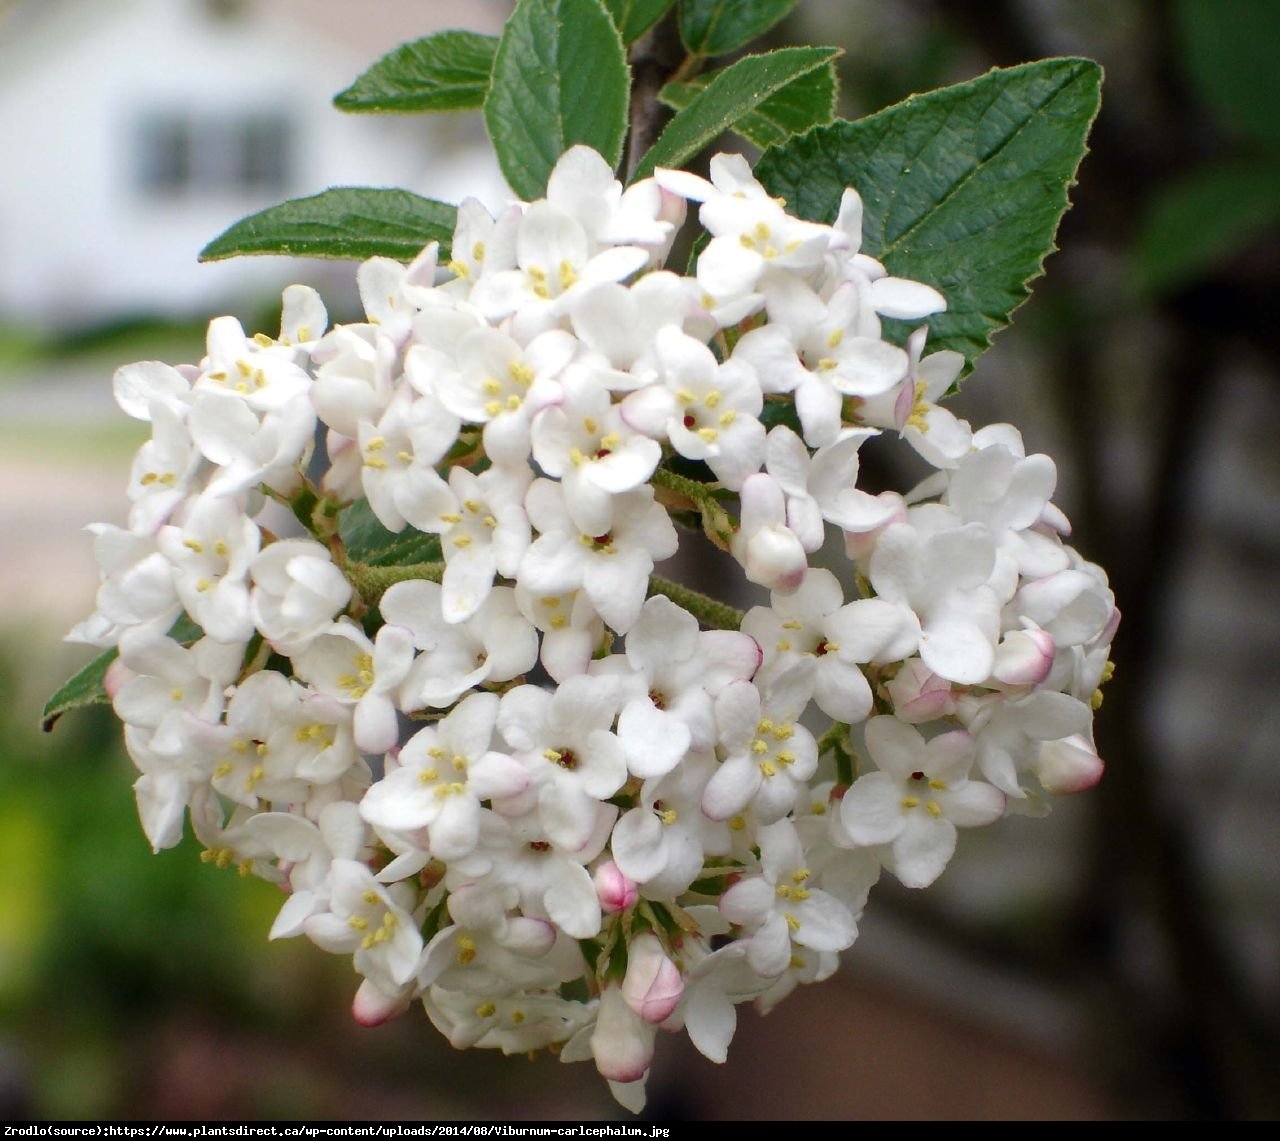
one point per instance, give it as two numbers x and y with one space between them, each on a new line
709 611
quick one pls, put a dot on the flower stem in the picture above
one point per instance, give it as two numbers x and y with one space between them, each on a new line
709 611
372 582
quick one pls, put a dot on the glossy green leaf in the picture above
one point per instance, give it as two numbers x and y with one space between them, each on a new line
1200 222
344 222
962 188
716 27
635 17
560 77
448 71
730 96
806 102
83 688
368 541
1229 47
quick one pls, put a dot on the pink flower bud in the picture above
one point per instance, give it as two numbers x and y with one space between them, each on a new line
622 1043
1024 657
1068 765
653 984
920 695
371 1007
614 890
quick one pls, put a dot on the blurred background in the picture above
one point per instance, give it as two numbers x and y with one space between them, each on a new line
1119 960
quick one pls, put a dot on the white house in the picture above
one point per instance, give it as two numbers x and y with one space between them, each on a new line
135 131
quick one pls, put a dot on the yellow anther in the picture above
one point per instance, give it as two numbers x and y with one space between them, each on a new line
712 398
459 763
223 770
541 291
1095 700
668 816
727 418
826 364
259 378
466 949
176 694
938 785
559 622
244 368
168 478
517 1017
783 732
576 457
149 479
376 444
588 422
762 231
513 402
462 542
834 338
747 242
404 457
219 376
764 726
767 769
489 521
486 1010
800 875
783 646
552 755
684 396
910 802
358 922
568 275
436 753
241 746
793 624
473 506
611 441
375 462
759 747
792 921
933 808
203 584
304 332
737 823
194 545
370 896
784 891
458 268
429 776
708 435
537 273
492 408
221 549
785 758
477 252
491 387
832 647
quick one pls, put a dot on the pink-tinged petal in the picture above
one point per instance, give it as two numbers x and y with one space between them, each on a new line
649 410
725 656
371 1007
616 890
654 742
1067 766
653 985
1024 657
496 775
923 850
871 810
622 1042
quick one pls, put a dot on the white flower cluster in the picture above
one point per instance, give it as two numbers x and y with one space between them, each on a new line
651 834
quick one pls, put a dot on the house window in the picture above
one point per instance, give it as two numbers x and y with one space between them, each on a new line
192 154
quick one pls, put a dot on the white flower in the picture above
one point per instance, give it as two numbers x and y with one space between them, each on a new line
918 799
297 590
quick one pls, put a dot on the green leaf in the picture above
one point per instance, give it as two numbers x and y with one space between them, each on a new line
1198 223
81 689
344 222
717 27
633 18
732 94
368 541
806 102
560 77
1229 47
85 686
962 188
445 72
